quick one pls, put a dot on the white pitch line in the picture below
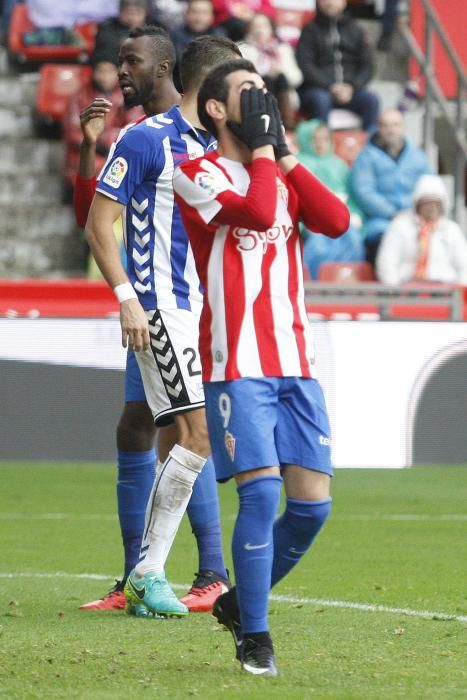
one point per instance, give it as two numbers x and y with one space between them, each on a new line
396 517
403 517
289 599
58 516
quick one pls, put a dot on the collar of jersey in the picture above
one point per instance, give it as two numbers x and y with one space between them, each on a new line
183 126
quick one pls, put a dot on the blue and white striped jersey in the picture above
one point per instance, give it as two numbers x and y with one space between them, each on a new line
138 174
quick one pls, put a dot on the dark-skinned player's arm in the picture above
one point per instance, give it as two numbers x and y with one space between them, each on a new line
92 121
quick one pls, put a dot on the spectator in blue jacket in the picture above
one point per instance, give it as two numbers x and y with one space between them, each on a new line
383 177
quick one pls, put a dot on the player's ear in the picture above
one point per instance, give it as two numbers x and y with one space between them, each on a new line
215 109
163 69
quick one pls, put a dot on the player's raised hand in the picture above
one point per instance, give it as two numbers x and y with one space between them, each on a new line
258 125
135 328
281 149
92 119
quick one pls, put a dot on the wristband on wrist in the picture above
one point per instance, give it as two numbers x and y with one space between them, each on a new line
124 291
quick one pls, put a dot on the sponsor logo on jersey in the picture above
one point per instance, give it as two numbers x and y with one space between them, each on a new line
116 173
325 441
229 442
249 239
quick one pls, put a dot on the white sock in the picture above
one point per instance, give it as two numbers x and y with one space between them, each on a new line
167 504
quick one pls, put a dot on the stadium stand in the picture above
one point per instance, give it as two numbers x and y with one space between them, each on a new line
21 24
57 83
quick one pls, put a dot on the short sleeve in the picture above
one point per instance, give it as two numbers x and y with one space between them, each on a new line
132 162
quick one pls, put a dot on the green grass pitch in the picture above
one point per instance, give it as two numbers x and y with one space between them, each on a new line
395 546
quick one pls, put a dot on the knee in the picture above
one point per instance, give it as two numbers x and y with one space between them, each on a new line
136 430
193 433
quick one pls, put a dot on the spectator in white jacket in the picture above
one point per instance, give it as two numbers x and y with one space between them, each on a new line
275 62
422 244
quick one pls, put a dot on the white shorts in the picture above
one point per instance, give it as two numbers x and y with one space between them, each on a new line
171 367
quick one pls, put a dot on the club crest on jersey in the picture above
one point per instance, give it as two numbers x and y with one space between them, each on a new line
229 442
282 191
116 173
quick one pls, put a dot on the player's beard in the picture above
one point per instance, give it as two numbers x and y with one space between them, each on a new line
142 96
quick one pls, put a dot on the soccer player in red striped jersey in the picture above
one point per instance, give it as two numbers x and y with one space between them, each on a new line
268 425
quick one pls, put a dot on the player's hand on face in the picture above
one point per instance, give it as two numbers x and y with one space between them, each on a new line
258 125
92 119
135 328
281 149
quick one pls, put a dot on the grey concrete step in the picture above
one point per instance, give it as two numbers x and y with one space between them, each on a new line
18 90
388 91
4 66
33 189
54 256
16 122
39 240
25 221
31 155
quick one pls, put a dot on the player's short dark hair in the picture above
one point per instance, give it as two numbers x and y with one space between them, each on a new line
203 54
215 87
161 42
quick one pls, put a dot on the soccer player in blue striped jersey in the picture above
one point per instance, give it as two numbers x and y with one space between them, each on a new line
160 302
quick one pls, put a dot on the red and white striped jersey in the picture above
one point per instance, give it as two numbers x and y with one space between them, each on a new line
242 222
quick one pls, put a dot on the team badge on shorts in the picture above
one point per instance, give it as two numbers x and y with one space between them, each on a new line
229 442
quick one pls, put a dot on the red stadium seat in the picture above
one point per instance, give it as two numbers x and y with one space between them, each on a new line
346 272
348 144
57 82
20 24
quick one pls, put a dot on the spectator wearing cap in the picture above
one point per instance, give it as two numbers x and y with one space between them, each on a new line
337 63
384 176
111 33
423 244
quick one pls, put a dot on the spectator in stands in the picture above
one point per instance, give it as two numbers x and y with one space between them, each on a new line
275 62
103 83
316 152
422 244
337 63
54 21
170 14
388 25
384 176
235 15
199 21
111 33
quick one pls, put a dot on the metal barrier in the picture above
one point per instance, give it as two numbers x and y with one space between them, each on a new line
384 298
434 95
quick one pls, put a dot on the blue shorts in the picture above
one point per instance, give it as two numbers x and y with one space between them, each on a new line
267 422
134 390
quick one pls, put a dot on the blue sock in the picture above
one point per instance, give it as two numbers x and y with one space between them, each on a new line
203 512
253 549
135 478
294 532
